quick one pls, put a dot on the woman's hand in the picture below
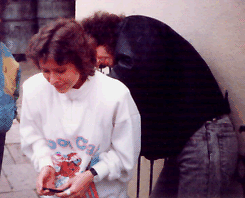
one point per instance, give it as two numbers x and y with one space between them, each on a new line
46 179
76 186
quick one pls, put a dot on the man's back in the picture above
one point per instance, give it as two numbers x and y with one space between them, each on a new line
171 84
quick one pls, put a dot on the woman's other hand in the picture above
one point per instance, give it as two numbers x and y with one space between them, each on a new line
46 179
76 186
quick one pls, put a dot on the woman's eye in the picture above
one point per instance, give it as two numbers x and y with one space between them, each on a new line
60 72
45 71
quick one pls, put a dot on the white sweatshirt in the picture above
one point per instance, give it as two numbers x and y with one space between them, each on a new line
97 125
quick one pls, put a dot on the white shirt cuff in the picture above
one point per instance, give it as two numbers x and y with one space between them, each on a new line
45 161
102 170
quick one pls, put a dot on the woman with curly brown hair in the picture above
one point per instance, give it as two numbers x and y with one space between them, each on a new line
80 128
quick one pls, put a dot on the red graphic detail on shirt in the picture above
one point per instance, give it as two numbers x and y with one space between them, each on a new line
68 165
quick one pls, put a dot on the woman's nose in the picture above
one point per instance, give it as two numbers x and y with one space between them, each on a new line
99 61
53 78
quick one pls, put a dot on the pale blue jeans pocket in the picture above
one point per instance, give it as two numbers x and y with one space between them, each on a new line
208 162
205 167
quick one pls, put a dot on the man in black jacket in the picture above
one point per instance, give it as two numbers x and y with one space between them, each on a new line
183 112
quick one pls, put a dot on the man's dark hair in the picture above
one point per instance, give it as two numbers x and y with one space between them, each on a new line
102 26
64 41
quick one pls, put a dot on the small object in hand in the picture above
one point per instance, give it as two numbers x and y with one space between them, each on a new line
53 190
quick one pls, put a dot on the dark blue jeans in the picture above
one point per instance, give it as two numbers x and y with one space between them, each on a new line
205 167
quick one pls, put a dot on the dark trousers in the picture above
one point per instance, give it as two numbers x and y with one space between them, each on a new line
2 143
168 181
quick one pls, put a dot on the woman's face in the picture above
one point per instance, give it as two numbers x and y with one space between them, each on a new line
63 78
104 59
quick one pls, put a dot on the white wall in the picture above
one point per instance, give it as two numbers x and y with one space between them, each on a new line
216 28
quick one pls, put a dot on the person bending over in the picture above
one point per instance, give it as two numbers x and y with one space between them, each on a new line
183 111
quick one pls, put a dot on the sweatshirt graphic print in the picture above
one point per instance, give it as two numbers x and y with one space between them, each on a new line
67 166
